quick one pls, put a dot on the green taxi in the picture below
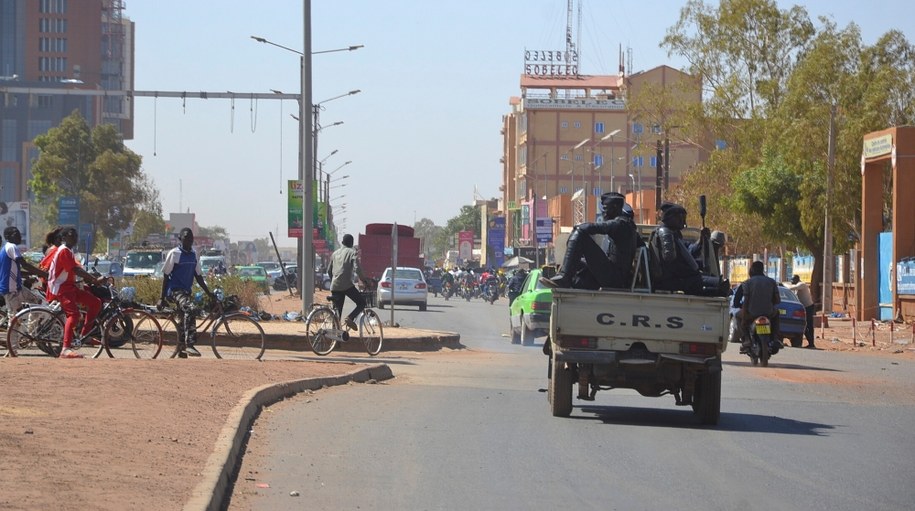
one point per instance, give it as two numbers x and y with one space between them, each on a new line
529 313
256 274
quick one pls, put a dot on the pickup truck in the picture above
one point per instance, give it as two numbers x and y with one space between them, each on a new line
655 343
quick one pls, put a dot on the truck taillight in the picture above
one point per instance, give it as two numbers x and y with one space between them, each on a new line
574 341
695 348
541 306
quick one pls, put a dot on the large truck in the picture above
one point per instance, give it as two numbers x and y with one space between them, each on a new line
655 343
376 245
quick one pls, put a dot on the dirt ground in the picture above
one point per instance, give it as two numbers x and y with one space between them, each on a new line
135 434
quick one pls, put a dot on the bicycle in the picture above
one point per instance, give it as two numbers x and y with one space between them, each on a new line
240 337
322 327
119 324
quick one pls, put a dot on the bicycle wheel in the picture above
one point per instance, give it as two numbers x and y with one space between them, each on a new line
116 332
147 337
317 326
34 330
169 336
238 337
371 331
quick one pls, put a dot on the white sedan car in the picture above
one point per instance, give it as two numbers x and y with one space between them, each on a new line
408 287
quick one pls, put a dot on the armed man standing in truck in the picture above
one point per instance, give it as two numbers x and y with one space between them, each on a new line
586 265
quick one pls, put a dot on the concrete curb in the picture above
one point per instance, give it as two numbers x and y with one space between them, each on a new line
430 342
212 493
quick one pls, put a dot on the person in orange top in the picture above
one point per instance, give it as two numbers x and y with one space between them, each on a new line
62 287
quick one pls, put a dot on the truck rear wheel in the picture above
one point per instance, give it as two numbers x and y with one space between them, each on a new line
561 390
708 397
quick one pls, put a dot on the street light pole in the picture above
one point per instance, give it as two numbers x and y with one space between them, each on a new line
305 123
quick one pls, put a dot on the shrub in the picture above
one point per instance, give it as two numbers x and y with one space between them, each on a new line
149 289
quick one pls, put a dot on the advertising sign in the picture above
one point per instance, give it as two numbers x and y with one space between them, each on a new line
67 211
544 230
16 214
294 207
496 239
465 245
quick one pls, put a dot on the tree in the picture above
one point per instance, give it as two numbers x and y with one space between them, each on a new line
430 234
93 166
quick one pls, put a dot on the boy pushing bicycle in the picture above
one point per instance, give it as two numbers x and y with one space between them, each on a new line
180 270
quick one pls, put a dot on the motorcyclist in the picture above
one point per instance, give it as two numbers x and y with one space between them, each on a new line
675 266
514 284
757 296
613 268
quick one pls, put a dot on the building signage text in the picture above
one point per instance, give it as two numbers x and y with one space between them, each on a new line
573 104
879 146
550 63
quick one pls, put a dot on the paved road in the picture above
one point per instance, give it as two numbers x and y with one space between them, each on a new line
471 429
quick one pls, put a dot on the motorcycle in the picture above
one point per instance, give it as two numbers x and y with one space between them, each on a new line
763 344
447 290
491 290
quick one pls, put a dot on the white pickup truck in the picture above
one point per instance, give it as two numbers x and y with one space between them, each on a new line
655 343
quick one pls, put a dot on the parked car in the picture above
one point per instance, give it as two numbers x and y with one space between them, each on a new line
108 268
272 267
792 318
411 288
529 313
256 274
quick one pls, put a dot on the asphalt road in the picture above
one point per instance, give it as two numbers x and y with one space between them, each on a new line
471 429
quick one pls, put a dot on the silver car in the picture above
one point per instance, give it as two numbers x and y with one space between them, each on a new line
409 287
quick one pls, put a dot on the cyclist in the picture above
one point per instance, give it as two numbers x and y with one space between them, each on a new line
180 269
62 287
11 266
344 266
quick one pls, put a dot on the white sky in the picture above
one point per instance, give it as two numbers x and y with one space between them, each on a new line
435 76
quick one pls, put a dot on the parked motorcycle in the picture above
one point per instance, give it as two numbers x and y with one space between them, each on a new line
763 342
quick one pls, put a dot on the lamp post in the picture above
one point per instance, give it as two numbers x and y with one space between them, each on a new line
605 137
305 150
637 208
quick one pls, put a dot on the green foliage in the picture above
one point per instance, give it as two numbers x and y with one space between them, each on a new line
93 165
434 246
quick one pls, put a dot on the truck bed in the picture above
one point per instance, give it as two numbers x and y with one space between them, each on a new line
617 319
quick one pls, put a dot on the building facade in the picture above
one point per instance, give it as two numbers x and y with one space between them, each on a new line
50 49
568 139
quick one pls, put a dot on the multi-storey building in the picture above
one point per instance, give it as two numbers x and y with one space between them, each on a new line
48 50
569 138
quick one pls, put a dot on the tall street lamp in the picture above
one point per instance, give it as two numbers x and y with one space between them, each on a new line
306 258
605 137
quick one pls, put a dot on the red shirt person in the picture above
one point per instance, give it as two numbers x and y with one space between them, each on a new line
62 287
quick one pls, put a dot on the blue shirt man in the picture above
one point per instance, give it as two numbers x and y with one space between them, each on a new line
180 269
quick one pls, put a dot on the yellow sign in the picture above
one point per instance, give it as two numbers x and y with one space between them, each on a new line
879 146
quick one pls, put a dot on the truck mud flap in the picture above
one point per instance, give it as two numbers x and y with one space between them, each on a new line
586 357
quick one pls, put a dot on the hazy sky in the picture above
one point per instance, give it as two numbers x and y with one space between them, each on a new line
423 134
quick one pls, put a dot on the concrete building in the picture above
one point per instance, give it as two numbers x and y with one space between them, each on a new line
48 48
570 138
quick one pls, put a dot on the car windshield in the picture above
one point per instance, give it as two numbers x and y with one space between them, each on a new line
269 266
406 274
250 272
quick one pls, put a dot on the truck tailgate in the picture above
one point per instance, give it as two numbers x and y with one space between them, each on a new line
640 316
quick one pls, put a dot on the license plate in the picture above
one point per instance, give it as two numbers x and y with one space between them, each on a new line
782 312
763 329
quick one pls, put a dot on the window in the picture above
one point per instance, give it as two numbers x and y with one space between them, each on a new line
563 189
598 127
564 125
45 101
577 124
564 157
598 160
44 25
578 157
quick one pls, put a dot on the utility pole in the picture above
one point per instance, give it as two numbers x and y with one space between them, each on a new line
666 161
659 160
828 259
